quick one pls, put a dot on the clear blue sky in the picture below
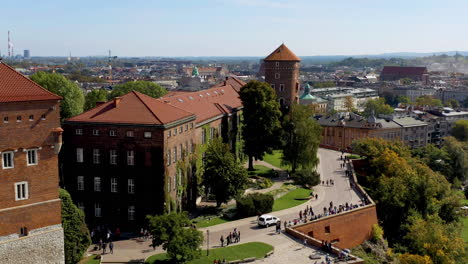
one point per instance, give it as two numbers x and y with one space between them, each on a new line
233 27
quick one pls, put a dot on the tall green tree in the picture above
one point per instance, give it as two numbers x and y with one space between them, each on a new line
182 243
403 99
91 98
460 130
427 100
458 152
302 136
224 176
77 238
378 106
261 124
73 98
452 103
145 87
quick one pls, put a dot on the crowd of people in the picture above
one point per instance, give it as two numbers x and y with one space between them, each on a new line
233 237
103 238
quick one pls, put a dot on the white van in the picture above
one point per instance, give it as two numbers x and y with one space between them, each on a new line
267 220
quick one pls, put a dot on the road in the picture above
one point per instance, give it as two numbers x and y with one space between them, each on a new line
339 193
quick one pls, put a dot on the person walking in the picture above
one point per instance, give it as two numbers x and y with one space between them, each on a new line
111 247
238 235
222 241
104 245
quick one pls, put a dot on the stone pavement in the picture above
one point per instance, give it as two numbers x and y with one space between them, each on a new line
285 248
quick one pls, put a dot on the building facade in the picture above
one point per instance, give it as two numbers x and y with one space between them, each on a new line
395 73
30 208
145 153
282 73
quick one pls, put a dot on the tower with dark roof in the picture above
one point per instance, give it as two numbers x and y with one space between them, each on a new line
282 73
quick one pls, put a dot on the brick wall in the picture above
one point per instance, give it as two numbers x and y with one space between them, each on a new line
289 74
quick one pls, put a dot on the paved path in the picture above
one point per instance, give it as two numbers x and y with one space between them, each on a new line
285 247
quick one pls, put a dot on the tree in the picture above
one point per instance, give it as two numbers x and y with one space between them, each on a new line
406 81
73 98
224 176
378 106
91 98
452 103
145 87
76 234
302 136
349 103
460 130
427 100
403 99
261 125
254 204
408 258
172 232
458 162
306 178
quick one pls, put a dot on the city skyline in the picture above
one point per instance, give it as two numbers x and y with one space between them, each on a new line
233 28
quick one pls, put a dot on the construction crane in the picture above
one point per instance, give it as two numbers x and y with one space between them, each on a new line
109 62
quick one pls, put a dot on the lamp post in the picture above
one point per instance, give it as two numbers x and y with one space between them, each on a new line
207 242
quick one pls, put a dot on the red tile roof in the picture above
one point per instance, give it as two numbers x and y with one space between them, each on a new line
133 108
404 70
15 87
282 53
209 103
233 81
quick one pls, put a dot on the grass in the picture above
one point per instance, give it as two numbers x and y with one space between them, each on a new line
90 260
242 251
293 198
275 159
465 229
215 220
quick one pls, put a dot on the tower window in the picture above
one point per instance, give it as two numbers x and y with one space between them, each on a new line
277 64
272 85
281 88
277 75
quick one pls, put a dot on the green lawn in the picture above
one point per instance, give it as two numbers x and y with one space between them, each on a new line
465 229
242 251
275 160
216 220
90 260
293 198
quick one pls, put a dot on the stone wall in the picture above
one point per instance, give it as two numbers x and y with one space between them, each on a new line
43 245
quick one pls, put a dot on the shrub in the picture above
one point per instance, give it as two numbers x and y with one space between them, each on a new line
306 178
377 233
254 204
414 259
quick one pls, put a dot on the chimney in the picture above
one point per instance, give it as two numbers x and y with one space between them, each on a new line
98 103
117 101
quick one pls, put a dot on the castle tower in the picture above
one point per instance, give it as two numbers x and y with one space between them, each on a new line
282 73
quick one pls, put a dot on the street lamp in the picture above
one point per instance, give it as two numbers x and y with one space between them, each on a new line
207 242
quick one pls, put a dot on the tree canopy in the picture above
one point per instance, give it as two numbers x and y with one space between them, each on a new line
452 103
261 125
91 98
145 87
77 238
223 174
378 106
301 138
460 130
427 100
181 242
73 98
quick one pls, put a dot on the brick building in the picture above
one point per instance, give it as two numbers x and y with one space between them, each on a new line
144 152
395 73
30 208
282 73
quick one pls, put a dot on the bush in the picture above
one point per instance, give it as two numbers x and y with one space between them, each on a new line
306 178
254 204
377 233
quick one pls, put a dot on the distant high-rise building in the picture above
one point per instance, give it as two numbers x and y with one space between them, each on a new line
282 73
26 54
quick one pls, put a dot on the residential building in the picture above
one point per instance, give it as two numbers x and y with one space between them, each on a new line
413 92
456 94
414 131
30 208
282 73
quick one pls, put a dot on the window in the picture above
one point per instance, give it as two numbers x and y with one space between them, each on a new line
79 155
186 148
277 75
8 161
32 157
113 156
81 206
175 131
180 151
23 231
112 133
327 229
181 129
131 186
212 132
80 183
5 119
42 117
191 125
18 119
272 85
175 154
131 212
97 210
147 134
96 156
186 127
21 191
31 117
114 185
97 184
95 132
169 133
168 157
192 147
277 64
281 88
79 131
129 133
130 157
203 136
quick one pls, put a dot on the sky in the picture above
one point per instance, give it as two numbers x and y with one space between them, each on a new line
172 28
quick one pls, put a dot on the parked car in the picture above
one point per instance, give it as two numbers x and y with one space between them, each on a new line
267 220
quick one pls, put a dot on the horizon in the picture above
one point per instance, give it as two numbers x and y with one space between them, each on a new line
237 28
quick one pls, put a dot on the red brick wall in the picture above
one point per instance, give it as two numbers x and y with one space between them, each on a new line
289 74
42 178
348 229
